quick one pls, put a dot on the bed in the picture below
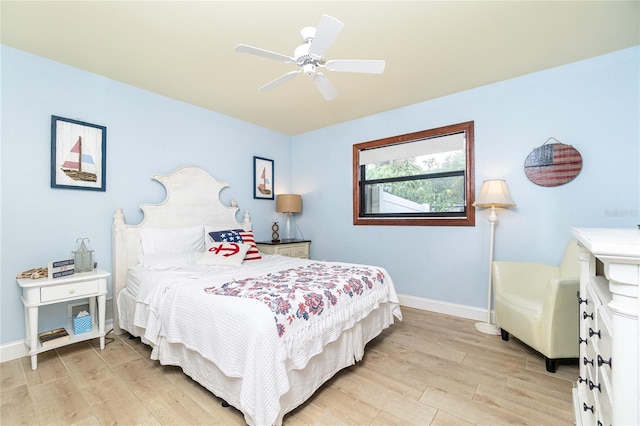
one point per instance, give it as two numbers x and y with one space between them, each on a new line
263 333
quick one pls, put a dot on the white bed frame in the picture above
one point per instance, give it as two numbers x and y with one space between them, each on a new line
193 198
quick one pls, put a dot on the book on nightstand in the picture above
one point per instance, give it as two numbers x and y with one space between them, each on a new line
53 337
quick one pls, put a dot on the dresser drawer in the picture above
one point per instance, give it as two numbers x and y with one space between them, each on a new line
604 343
65 291
604 406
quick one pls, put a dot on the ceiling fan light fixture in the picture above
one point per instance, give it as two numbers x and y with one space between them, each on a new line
310 55
309 69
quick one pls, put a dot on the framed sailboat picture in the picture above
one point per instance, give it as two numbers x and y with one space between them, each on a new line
262 178
78 154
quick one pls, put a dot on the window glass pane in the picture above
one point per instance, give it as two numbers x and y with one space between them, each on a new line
439 195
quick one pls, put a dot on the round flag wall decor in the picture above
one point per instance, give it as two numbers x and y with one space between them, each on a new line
553 164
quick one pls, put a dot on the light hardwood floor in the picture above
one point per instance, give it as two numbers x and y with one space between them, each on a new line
429 369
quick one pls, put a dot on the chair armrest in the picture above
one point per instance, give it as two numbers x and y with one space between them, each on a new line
559 325
561 291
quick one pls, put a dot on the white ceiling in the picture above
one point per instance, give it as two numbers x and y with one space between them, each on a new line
185 49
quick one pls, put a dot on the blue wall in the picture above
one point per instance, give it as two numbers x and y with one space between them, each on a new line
593 105
146 134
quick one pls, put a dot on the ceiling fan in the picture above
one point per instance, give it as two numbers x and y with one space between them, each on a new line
309 56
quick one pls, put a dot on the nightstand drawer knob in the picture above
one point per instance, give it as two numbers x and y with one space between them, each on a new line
72 291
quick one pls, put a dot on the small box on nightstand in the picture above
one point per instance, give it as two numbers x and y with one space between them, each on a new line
81 324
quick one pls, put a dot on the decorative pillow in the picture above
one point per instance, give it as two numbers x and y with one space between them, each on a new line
172 240
236 235
221 253
228 236
162 261
253 253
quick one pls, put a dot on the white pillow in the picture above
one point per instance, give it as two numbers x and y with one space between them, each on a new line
172 240
224 254
162 261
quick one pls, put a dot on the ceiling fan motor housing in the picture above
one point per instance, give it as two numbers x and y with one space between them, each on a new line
308 33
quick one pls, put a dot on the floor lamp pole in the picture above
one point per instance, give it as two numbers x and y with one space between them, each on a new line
488 327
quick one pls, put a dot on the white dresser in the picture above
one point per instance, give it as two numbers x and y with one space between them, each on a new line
608 388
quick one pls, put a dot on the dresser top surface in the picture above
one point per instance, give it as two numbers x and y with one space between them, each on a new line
623 242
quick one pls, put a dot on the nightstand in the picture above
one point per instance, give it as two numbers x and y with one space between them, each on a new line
44 291
290 248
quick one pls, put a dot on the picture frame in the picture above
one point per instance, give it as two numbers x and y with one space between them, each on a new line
263 188
78 154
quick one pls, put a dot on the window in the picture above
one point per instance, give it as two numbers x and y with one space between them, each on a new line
421 178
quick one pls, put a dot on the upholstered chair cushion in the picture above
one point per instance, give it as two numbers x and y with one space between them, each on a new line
537 303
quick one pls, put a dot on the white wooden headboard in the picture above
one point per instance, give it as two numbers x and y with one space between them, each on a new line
193 198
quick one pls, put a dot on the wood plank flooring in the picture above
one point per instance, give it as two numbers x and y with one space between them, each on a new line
429 369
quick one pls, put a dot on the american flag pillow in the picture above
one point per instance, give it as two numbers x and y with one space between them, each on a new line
247 238
238 236
229 236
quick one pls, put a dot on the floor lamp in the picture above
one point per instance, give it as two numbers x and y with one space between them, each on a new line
494 193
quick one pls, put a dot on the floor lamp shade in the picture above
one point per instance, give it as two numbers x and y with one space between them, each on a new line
494 193
289 204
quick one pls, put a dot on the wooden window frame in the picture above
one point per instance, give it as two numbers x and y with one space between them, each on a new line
469 217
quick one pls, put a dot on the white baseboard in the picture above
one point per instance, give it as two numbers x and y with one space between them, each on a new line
15 350
453 309
18 349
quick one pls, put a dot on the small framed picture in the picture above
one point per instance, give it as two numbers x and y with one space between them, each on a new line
262 178
78 154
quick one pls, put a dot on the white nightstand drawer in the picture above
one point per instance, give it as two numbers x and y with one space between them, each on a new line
286 248
64 291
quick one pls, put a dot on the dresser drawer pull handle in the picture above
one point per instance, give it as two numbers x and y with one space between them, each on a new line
585 407
586 361
602 361
599 423
586 315
580 380
581 340
592 386
585 301
592 333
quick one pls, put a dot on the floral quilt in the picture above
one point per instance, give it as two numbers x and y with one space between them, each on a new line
298 296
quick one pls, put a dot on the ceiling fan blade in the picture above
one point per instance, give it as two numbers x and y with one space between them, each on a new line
324 85
243 48
372 66
326 33
280 80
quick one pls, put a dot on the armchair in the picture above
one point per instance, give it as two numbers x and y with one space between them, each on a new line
537 303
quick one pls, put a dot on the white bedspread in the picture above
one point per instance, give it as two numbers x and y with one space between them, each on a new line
237 334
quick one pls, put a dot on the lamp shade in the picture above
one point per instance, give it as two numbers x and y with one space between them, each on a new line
288 203
494 193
